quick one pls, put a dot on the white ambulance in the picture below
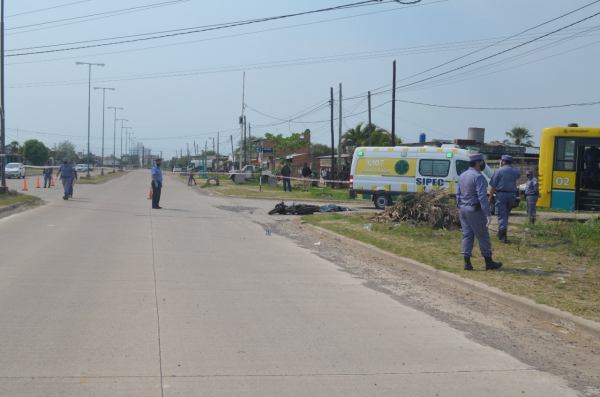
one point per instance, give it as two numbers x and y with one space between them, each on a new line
382 174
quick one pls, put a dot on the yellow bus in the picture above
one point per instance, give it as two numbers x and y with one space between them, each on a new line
561 168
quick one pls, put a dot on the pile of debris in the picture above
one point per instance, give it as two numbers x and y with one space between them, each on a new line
435 208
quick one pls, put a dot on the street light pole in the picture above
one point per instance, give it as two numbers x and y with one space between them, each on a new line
115 137
121 120
103 109
126 132
2 123
89 105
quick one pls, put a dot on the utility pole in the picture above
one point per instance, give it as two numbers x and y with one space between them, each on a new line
245 136
332 144
394 109
2 107
232 154
143 155
339 163
126 132
103 118
242 120
115 138
121 157
249 135
370 130
218 158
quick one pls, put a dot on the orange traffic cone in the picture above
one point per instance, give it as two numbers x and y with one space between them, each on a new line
38 183
52 180
24 183
150 195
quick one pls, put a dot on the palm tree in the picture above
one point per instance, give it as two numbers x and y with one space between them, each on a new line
519 135
359 136
15 147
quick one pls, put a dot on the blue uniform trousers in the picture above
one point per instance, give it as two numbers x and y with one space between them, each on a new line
504 204
531 203
48 179
591 169
473 223
286 182
67 184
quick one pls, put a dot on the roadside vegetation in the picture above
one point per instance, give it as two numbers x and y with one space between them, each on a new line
554 262
13 197
98 178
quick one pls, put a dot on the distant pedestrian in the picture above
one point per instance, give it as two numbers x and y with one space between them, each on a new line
475 213
532 193
157 179
66 172
48 170
286 172
191 178
504 186
306 173
75 178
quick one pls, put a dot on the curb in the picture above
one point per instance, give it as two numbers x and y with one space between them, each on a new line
18 205
542 312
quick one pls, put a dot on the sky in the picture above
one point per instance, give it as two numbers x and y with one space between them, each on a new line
184 89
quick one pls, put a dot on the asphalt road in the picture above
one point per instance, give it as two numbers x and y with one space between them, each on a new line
111 298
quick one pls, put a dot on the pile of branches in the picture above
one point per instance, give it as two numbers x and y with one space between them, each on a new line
434 208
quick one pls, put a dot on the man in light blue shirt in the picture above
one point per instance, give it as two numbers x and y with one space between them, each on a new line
532 193
475 214
504 186
157 178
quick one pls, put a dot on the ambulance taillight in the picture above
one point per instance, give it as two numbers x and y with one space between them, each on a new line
351 182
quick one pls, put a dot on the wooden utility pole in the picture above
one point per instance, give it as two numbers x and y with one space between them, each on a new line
332 143
394 109
232 154
370 129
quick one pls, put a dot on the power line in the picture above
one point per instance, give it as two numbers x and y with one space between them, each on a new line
185 31
105 15
49 8
233 35
500 108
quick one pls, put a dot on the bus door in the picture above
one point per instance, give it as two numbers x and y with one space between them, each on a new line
587 199
564 174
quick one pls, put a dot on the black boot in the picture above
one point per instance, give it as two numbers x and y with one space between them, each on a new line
532 220
503 238
491 265
468 265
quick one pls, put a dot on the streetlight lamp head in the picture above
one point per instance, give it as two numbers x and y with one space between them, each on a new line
79 63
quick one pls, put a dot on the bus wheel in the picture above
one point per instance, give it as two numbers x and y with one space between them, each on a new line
382 200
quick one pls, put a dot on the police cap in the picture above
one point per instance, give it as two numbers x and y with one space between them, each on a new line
506 157
158 159
529 172
476 157
65 160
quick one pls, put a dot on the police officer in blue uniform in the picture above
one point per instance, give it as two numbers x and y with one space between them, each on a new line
65 172
504 185
157 178
475 214
591 157
48 175
532 193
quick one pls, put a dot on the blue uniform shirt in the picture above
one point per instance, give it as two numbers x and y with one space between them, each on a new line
472 189
156 171
505 179
48 170
532 186
67 170
592 156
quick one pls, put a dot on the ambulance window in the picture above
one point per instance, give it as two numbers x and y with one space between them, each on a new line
565 154
439 168
461 166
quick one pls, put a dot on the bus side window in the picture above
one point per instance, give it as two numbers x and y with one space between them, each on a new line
565 154
461 166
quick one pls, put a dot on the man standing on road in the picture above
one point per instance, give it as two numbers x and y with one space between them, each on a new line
306 173
66 173
504 185
157 178
286 172
475 214
591 157
191 178
48 175
532 193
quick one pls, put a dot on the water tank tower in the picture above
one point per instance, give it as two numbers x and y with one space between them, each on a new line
422 138
477 134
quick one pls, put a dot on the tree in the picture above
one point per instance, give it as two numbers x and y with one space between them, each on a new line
290 144
16 148
359 136
318 149
66 147
519 135
36 152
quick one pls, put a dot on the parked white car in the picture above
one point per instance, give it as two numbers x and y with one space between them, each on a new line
15 170
81 167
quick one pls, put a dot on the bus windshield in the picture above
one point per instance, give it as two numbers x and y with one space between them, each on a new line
487 171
